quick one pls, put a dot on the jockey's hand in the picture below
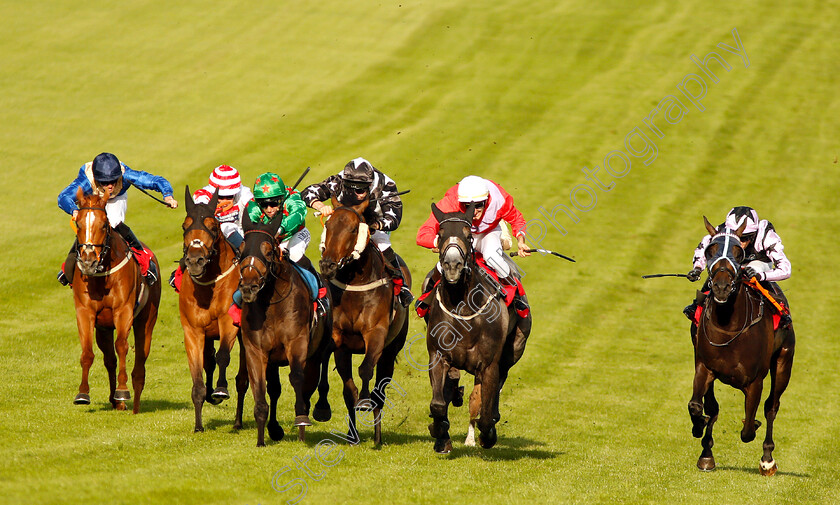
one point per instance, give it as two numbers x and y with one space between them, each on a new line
75 213
374 226
694 275
325 210
170 201
520 244
751 272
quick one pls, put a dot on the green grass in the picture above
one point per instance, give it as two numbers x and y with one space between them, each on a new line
525 93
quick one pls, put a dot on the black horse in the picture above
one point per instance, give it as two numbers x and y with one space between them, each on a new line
469 328
735 342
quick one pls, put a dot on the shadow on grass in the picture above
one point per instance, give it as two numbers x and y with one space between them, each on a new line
754 470
146 406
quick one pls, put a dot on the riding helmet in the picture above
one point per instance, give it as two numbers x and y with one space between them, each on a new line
106 168
357 173
269 185
472 189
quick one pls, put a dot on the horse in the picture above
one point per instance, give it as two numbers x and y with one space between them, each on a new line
470 328
110 295
734 342
366 319
203 301
278 330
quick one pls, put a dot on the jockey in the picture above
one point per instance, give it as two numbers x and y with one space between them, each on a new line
763 249
233 197
272 196
359 181
106 172
492 205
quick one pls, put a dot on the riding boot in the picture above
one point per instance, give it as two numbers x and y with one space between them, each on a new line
690 310
65 275
322 303
421 306
142 254
177 274
520 303
235 310
393 265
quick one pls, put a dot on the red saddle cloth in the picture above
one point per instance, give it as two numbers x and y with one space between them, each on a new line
510 291
699 312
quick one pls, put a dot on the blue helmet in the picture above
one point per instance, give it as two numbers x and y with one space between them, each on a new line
106 168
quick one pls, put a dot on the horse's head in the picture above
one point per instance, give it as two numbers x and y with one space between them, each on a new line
259 255
93 232
201 233
454 240
724 256
345 237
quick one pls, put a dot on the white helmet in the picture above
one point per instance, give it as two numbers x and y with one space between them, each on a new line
473 189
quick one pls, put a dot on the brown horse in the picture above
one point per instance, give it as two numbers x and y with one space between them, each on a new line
735 343
110 294
278 330
203 300
469 328
365 318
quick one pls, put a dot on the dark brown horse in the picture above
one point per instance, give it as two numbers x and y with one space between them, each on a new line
365 318
469 328
735 343
110 294
203 300
278 330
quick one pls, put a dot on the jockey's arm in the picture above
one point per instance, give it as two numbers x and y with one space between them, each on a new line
67 197
428 232
295 218
147 181
314 195
776 252
699 259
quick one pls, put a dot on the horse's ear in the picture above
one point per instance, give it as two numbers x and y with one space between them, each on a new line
106 197
439 215
470 212
214 200
711 229
188 199
740 229
247 224
334 202
362 207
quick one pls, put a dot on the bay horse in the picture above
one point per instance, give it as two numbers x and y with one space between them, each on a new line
203 300
278 330
735 343
365 318
470 328
110 295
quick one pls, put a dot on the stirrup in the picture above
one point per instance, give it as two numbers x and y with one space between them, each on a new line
62 278
690 310
405 297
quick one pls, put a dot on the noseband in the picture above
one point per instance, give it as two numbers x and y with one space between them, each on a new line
106 245
453 242
207 251
269 265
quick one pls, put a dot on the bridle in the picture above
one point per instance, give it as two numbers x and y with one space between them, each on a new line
106 245
726 255
362 240
269 266
463 248
207 251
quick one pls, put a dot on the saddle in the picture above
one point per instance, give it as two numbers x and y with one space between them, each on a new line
780 309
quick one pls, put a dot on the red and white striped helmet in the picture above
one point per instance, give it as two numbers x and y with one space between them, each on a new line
226 180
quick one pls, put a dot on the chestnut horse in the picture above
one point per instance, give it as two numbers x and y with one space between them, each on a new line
110 294
735 343
277 330
366 319
204 299
469 328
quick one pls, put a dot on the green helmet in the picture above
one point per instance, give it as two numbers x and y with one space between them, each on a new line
269 185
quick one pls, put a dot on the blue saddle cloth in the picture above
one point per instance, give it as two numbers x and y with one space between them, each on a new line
309 279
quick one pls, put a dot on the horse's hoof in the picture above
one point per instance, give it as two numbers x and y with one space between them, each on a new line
199 429
302 421
706 464
275 432
488 440
322 415
221 393
458 400
212 400
82 399
122 395
768 468
443 445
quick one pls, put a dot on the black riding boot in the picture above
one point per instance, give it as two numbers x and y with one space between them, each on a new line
65 275
393 265
699 299
422 304
322 302
129 236
519 302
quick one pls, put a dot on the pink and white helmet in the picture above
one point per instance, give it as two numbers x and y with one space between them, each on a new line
226 180
738 215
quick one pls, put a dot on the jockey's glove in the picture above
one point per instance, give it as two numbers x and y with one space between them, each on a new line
751 272
694 275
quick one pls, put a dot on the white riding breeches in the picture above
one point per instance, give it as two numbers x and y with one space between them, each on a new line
296 245
115 209
382 239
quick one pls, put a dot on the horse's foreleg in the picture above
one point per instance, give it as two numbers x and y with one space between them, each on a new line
257 377
227 337
241 384
703 378
779 378
753 397
297 352
85 322
384 376
143 327
344 367
439 429
489 399
323 411
707 460
272 378
123 317
475 407
194 345
374 346
105 342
